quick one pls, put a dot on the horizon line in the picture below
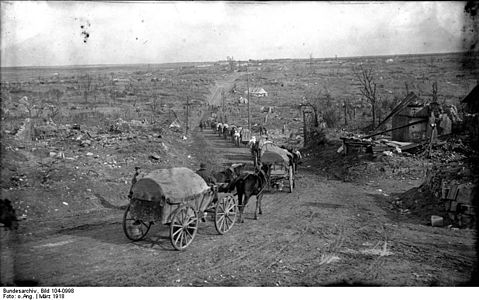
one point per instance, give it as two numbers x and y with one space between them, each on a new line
239 60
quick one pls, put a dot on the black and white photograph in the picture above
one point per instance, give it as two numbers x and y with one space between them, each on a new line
238 144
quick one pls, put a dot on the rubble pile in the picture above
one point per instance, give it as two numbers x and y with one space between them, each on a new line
453 185
450 149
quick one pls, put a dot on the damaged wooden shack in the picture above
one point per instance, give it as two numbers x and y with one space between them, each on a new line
412 125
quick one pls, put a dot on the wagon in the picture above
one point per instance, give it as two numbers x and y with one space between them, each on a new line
245 136
280 167
179 198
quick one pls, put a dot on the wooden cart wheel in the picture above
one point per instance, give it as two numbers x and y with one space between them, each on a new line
291 179
134 229
225 214
183 227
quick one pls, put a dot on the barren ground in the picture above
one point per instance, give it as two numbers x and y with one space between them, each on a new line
325 232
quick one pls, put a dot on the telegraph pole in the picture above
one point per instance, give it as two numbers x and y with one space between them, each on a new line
223 100
247 90
187 113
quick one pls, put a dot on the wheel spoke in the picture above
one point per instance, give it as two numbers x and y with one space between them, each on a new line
221 218
231 206
188 232
227 223
228 218
182 242
177 232
181 217
190 221
178 236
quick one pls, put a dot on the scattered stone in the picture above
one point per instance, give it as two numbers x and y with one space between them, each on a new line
437 221
154 156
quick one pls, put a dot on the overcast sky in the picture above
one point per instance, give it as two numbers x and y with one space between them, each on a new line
51 33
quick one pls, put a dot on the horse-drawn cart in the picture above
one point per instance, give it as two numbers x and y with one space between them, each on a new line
279 165
245 136
178 197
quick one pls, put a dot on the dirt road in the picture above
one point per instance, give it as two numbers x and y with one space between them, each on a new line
325 232
222 85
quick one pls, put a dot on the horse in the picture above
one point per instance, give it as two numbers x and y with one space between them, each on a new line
236 137
225 176
213 125
248 185
255 151
219 129
225 131
8 217
228 176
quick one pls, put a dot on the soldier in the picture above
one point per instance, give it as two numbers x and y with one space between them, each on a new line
206 175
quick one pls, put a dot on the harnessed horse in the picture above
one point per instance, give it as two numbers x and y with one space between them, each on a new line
248 185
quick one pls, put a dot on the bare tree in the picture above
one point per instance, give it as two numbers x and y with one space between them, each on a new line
231 62
32 105
318 100
315 99
368 88
348 110
57 95
86 85
53 111
434 92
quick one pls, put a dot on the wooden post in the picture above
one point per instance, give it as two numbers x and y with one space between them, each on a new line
247 90
187 113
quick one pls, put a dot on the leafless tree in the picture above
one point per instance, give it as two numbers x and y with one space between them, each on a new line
57 95
54 111
348 110
315 99
86 85
368 87
33 106
231 62
434 92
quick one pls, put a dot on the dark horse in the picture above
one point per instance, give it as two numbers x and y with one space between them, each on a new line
228 176
248 185
255 152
